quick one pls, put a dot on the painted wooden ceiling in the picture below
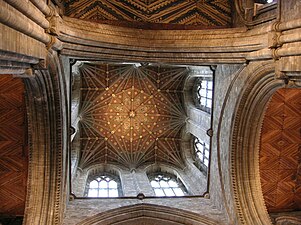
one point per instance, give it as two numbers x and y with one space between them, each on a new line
280 152
13 146
131 114
153 14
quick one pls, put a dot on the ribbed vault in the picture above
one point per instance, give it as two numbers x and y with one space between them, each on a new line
131 114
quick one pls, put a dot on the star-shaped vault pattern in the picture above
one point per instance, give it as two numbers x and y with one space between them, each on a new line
131 115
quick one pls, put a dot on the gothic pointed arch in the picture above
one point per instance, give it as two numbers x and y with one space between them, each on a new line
47 107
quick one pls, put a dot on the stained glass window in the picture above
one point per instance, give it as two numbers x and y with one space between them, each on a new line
165 184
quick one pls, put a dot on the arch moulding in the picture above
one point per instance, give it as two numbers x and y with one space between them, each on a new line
246 129
47 121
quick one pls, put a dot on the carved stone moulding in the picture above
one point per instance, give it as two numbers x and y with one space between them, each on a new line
249 202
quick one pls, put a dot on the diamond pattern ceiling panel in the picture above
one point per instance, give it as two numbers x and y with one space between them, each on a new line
13 146
131 115
199 13
280 154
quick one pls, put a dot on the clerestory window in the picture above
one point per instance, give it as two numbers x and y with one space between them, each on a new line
202 153
165 184
104 186
203 93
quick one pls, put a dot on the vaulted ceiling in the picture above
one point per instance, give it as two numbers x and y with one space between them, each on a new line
153 14
131 114
280 152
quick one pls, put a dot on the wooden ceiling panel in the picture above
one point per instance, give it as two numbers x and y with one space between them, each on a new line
280 153
129 116
13 146
155 14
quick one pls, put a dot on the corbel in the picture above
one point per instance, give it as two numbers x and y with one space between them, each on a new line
53 31
54 43
54 22
42 65
291 79
28 73
51 42
274 39
293 83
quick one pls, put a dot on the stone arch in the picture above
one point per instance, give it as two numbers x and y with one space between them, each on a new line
194 74
246 128
48 128
81 180
147 214
189 175
164 167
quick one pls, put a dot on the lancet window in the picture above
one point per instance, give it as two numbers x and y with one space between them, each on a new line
202 152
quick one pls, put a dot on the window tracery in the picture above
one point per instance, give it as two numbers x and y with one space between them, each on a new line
203 93
202 153
104 185
165 184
